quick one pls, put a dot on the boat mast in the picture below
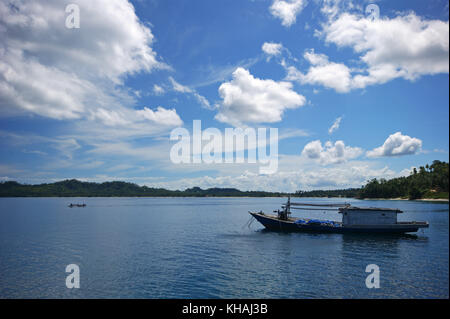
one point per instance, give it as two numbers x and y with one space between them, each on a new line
284 214
288 207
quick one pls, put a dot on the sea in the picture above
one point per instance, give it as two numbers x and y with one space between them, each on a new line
187 248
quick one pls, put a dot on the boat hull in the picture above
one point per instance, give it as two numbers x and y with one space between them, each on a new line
274 224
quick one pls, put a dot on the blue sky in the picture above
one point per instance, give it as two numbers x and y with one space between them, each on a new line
98 102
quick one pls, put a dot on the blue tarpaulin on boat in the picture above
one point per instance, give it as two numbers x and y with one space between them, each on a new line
315 221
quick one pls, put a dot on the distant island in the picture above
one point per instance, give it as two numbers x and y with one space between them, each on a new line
430 182
76 188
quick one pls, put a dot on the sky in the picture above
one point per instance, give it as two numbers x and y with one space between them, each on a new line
356 89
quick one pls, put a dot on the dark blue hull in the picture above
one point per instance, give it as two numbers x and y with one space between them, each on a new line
274 224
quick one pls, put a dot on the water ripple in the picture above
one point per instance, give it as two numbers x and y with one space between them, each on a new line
199 248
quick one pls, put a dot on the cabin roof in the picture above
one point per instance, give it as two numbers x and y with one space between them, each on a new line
370 209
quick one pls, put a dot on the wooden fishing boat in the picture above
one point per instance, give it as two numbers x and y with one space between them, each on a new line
76 205
354 220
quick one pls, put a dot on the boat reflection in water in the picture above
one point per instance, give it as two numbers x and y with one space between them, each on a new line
354 220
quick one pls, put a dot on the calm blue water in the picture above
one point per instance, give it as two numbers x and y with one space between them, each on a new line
201 248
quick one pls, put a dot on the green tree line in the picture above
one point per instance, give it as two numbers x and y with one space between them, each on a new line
429 181
75 188
348 192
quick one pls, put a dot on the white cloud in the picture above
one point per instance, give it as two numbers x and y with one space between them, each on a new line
158 90
203 101
335 125
329 153
397 145
209 73
330 8
109 117
295 171
137 119
179 87
322 72
161 115
247 99
287 11
315 58
50 70
295 175
406 46
271 48
29 86
185 89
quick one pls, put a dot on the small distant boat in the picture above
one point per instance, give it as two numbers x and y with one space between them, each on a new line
354 220
76 205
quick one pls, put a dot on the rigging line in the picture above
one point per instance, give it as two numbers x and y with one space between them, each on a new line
304 208
251 221
320 205
248 221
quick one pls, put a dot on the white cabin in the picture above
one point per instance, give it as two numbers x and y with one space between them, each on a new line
369 216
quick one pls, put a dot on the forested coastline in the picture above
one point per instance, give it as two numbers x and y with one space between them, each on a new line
430 181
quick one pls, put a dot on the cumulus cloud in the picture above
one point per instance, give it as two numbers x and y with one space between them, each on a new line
397 145
406 46
330 153
61 73
247 99
287 11
271 48
335 125
293 177
28 86
332 75
161 115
